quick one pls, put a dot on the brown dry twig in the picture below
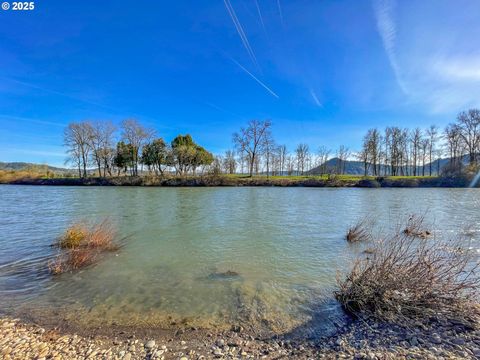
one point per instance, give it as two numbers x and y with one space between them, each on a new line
361 231
82 245
405 279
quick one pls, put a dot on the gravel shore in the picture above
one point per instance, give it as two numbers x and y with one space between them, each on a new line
359 340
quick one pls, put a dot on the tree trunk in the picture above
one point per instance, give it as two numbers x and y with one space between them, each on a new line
252 161
431 162
84 167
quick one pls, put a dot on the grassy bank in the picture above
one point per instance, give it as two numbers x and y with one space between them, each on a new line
25 178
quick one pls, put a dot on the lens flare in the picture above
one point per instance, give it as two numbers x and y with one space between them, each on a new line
475 180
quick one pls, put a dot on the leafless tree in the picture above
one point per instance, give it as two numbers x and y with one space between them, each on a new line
424 145
342 156
323 154
469 126
251 141
77 138
229 162
374 149
415 140
75 158
432 134
301 152
101 145
370 153
137 136
454 143
269 151
290 161
282 154
364 156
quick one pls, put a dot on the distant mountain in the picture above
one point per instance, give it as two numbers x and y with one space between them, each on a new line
31 166
351 167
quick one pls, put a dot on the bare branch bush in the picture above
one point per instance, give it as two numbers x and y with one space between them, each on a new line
416 227
406 280
361 231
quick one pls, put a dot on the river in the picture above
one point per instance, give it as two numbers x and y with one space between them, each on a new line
265 258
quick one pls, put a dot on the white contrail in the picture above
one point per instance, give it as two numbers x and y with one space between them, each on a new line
241 32
216 107
386 27
260 16
315 98
254 78
54 92
24 119
280 13
33 86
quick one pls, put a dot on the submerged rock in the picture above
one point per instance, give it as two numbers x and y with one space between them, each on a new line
226 275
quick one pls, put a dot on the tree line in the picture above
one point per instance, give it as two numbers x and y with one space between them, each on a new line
255 152
393 151
113 152
416 152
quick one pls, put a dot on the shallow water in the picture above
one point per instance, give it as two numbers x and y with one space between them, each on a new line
265 258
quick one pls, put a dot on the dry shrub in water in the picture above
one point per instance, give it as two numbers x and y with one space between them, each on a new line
415 227
83 244
73 259
82 234
56 266
407 280
101 235
361 231
73 236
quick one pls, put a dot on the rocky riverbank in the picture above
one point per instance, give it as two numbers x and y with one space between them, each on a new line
359 340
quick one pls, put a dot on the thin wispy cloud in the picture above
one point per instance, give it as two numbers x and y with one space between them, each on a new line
387 29
35 152
438 71
255 78
146 119
241 32
315 98
280 13
43 89
31 120
459 68
218 108
448 83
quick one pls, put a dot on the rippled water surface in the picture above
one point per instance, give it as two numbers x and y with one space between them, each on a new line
261 257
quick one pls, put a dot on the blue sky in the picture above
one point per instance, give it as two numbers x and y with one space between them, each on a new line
322 71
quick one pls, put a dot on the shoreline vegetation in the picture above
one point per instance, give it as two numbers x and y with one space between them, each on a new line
102 153
23 178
